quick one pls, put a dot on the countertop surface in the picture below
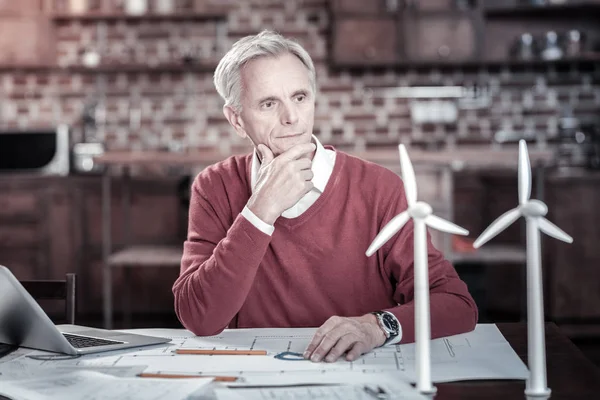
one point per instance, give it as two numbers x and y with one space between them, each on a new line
464 157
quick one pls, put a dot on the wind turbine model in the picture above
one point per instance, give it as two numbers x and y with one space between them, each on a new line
421 213
534 212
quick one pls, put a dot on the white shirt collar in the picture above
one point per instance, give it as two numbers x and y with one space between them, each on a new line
322 166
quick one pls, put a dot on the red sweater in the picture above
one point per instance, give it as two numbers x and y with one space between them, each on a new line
314 266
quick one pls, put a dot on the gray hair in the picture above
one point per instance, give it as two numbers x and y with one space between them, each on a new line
227 76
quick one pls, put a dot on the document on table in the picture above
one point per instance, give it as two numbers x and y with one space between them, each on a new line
18 369
340 385
481 354
337 392
88 385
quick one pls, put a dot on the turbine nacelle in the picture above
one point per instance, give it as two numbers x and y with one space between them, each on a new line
534 208
420 210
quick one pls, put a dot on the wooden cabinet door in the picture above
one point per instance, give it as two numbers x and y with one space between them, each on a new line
26 41
20 8
441 37
362 7
572 276
365 41
432 5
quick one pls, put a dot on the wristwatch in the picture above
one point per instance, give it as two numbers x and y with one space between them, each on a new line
390 326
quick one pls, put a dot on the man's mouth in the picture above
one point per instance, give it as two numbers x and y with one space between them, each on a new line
293 135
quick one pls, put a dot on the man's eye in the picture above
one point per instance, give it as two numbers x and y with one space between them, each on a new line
300 98
268 104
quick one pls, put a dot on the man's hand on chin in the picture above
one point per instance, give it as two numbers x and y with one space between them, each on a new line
339 335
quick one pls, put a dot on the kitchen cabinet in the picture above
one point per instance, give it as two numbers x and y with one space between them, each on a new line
19 8
26 34
442 37
465 33
155 215
50 226
379 41
391 33
361 7
26 41
572 273
33 238
434 5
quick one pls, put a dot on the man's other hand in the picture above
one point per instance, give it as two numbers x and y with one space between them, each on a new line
339 335
281 181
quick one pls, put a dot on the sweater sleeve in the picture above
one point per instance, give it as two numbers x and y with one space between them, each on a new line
218 266
453 310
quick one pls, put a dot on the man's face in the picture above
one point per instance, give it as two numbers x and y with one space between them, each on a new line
278 104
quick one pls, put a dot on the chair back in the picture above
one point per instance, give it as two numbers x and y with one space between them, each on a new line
56 290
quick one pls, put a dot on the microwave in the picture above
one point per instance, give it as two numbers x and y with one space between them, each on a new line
42 151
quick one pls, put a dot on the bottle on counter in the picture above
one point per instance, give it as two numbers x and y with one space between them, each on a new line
164 6
575 43
552 50
136 7
78 6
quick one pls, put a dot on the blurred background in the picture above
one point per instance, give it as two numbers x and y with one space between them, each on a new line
108 111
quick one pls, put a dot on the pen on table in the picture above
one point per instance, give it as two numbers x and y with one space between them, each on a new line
178 376
222 352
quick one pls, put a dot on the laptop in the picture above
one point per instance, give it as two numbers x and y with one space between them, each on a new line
24 323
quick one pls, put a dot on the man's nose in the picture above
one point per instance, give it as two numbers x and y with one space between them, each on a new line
289 114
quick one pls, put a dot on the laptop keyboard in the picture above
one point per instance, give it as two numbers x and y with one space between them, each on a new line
80 342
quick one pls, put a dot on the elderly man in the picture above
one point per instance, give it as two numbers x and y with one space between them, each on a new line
277 238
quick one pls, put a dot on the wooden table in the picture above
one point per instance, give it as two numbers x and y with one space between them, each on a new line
570 374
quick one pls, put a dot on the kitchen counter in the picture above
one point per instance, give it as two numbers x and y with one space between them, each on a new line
464 157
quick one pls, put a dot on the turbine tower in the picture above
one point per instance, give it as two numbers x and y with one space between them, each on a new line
534 212
421 213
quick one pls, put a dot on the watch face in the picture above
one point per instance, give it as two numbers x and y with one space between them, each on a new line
390 322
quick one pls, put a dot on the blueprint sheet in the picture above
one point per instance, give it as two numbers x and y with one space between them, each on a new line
481 354
88 385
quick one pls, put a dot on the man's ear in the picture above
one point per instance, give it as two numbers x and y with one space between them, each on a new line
235 120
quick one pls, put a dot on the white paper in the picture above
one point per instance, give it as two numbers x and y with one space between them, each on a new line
349 385
481 354
341 392
20 369
305 377
87 385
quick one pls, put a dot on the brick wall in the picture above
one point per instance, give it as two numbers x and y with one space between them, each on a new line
180 109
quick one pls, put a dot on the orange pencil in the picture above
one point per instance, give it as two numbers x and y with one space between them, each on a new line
222 352
174 376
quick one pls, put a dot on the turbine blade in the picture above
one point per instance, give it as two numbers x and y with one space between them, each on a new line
524 173
552 230
408 176
497 226
445 226
387 232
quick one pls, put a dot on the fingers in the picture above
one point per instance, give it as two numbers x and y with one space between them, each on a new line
338 336
319 335
303 163
334 338
357 350
345 342
307 175
298 151
337 342
265 153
